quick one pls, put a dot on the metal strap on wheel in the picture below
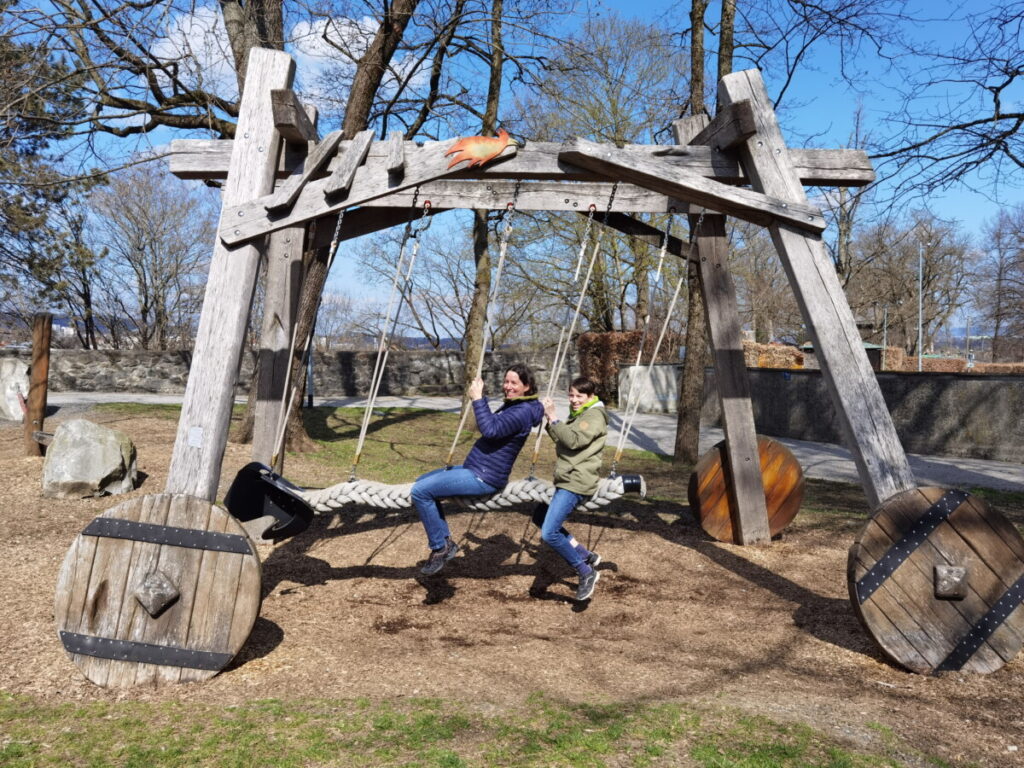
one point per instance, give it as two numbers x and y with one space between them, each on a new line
143 653
905 547
190 538
984 627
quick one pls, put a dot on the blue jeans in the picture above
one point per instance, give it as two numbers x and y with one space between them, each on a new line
551 531
439 484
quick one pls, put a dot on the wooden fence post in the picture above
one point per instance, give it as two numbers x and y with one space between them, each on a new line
42 324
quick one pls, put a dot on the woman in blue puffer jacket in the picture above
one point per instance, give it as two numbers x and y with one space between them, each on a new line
486 468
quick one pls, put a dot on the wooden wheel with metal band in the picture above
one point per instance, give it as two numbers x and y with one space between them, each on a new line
937 577
712 504
161 589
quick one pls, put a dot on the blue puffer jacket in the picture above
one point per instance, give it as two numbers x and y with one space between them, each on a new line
503 434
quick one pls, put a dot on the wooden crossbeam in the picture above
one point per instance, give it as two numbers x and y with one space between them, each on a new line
655 173
733 125
250 219
208 159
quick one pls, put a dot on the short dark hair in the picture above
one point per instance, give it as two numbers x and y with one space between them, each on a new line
583 385
525 375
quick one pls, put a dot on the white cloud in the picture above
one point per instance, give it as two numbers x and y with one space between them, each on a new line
200 41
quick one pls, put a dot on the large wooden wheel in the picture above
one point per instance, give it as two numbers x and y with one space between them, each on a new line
713 505
937 577
163 588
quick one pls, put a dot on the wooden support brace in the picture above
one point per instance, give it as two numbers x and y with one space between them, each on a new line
351 158
641 230
656 174
396 153
290 117
209 394
867 424
733 125
286 195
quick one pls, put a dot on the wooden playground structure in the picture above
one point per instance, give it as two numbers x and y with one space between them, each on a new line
134 589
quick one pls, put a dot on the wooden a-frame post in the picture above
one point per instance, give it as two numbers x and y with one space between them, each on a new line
209 395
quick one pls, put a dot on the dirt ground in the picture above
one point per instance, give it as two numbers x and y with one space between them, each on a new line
676 616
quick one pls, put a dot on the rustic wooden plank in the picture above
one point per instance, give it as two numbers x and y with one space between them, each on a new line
656 174
133 618
396 153
208 159
544 195
291 118
733 125
866 422
288 192
351 158
73 584
106 592
35 410
247 602
724 328
206 408
283 282
182 567
216 589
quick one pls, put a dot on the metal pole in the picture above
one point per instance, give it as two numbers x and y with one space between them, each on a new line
920 303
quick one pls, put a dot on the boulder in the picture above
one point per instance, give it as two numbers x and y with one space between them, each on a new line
13 382
87 459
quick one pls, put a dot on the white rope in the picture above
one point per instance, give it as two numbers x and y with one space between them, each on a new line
528 490
646 326
491 298
384 346
634 403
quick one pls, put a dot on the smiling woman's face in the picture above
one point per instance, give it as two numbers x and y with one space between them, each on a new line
513 386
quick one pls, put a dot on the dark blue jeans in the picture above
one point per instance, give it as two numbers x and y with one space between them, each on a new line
551 524
439 484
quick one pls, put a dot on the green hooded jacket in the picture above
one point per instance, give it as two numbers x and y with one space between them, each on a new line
579 442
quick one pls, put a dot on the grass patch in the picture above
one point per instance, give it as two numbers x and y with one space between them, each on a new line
418 732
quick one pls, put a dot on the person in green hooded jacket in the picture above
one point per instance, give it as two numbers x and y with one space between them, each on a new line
579 442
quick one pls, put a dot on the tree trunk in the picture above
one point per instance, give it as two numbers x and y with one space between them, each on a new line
256 23
476 322
374 63
369 74
691 384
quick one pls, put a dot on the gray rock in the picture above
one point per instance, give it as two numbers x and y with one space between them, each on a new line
87 459
13 381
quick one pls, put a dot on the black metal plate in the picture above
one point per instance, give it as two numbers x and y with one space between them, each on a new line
143 653
190 538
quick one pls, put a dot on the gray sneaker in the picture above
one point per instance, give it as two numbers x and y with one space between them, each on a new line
587 584
593 560
438 557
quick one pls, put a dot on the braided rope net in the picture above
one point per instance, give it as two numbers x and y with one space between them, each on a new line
529 490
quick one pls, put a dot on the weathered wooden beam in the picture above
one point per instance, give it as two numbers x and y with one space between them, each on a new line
350 159
745 481
534 196
291 118
287 193
641 230
396 153
209 394
208 159
660 176
867 424
364 221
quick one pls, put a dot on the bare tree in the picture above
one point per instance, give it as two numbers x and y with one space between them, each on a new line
156 233
999 290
